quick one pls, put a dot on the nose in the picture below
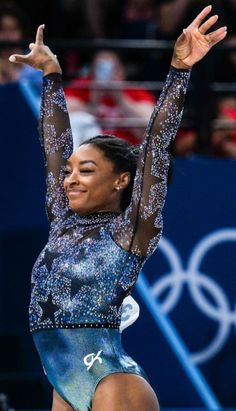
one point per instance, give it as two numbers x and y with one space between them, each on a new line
72 179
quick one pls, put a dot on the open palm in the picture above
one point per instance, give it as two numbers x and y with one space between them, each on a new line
196 40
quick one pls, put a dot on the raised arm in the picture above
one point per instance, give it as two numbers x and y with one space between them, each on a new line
57 143
140 227
54 124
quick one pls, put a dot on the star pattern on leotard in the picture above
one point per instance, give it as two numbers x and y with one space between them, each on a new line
75 287
48 260
49 308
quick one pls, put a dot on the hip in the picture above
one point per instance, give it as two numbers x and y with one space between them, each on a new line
76 360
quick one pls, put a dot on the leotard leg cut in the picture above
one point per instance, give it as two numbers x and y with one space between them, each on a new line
76 360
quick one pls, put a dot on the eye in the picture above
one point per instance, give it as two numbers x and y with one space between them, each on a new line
66 171
86 170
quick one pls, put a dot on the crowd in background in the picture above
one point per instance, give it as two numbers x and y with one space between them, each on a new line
95 101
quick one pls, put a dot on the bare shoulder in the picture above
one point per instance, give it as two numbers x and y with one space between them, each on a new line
124 392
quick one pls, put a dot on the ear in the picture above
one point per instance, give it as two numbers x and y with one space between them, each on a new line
122 181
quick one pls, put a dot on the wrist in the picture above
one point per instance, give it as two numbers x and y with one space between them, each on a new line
51 67
179 64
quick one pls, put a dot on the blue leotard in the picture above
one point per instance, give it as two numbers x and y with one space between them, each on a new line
91 263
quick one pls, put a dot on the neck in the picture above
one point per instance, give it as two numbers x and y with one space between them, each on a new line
101 210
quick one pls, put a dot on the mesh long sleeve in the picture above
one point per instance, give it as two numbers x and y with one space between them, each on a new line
57 143
139 228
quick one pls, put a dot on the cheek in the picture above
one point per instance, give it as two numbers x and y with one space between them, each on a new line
103 186
99 188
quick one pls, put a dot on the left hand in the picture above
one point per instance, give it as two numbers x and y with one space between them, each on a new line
195 41
40 56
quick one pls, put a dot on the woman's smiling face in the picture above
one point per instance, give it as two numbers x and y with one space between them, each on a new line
91 182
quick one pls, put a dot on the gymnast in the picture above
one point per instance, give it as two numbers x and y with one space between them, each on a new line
104 203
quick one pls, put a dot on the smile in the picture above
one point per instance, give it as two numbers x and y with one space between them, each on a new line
75 192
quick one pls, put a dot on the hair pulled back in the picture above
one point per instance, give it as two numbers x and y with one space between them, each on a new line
124 157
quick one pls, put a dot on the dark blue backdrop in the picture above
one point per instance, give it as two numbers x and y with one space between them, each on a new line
188 349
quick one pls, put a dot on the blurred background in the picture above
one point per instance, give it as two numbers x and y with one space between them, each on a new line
115 56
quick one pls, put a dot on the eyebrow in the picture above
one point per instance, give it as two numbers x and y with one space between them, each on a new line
83 162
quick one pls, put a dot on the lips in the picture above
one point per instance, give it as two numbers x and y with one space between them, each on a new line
75 192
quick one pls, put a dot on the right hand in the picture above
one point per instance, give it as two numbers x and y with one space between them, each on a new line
40 57
196 41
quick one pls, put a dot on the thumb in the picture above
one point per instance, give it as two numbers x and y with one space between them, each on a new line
185 34
18 58
181 40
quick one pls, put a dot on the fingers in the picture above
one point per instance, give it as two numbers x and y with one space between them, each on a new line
216 36
39 35
199 19
208 24
18 58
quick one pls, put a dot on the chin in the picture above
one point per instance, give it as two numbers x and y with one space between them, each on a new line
79 208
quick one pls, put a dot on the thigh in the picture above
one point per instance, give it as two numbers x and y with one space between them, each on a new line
58 404
124 392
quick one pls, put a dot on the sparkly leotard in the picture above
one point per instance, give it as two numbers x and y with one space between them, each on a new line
91 263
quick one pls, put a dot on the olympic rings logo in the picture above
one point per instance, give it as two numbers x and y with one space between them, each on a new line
218 309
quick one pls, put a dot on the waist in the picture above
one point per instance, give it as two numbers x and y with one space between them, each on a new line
41 327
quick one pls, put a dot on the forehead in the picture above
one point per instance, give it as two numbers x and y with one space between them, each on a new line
89 152
86 151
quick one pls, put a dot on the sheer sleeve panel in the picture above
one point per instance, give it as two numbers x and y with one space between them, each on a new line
139 228
56 140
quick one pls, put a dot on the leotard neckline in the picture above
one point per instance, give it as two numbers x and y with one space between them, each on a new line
97 218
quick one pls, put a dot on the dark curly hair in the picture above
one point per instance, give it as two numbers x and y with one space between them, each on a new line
123 155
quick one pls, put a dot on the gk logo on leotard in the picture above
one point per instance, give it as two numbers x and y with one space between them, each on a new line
90 359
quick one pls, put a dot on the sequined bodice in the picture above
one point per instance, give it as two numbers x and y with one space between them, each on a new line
90 264
84 276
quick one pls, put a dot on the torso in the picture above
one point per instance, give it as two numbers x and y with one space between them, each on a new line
81 278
